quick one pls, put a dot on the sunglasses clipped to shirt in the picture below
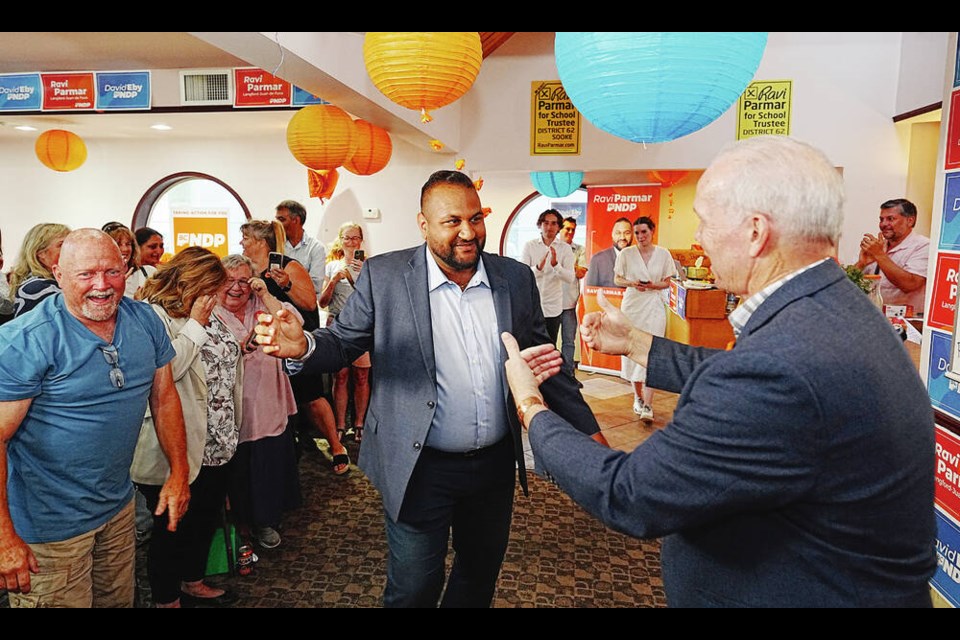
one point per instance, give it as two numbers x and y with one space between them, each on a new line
112 357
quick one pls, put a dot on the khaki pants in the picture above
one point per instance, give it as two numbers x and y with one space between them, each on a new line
94 569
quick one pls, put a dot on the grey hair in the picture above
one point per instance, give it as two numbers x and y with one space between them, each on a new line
792 182
236 260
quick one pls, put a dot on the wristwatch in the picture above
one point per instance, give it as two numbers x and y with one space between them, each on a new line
525 405
287 287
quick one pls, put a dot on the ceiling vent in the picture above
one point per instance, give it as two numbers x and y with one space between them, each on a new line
206 86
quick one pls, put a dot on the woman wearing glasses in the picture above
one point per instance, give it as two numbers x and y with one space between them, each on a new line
263 474
207 370
343 268
137 273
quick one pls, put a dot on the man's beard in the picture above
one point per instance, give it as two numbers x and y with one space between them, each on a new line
448 255
99 313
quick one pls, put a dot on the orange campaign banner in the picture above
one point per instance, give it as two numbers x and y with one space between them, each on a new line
257 88
943 302
68 91
606 205
201 229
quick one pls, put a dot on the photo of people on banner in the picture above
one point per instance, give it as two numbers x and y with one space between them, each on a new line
611 211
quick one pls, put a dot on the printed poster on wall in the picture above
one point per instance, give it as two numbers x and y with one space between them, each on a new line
947 489
554 121
302 98
63 91
946 579
950 224
258 88
604 206
952 152
942 390
20 92
764 109
943 302
123 90
200 228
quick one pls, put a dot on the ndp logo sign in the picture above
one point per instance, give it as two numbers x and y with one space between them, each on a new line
209 232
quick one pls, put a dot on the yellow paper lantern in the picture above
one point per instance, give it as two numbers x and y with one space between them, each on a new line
423 70
61 150
374 149
321 136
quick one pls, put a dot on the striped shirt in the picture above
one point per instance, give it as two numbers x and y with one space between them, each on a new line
741 315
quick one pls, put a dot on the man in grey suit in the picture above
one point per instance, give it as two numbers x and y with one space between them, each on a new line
441 439
798 468
600 272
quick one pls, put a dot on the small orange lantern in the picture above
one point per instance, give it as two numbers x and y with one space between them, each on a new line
321 136
423 70
61 150
374 149
322 183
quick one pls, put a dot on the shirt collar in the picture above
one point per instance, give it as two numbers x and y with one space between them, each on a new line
741 315
436 277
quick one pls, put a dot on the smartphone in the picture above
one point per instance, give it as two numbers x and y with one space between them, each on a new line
359 255
275 261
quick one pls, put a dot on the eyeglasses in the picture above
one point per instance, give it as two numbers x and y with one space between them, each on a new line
113 359
353 238
243 284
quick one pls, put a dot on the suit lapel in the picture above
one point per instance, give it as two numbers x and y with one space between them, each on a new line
415 278
504 308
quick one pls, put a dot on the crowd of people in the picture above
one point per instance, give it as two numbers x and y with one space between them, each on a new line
794 472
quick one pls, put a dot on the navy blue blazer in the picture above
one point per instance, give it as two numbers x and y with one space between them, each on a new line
798 469
389 315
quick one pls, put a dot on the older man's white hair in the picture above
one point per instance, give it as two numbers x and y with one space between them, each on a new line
792 182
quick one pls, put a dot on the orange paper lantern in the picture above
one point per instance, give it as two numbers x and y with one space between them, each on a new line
374 149
61 150
667 178
423 70
321 136
322 183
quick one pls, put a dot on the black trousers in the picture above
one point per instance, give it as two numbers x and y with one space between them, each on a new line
472 496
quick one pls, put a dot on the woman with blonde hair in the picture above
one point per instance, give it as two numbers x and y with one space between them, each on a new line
31 279
289 281
208 373
343 268
137 274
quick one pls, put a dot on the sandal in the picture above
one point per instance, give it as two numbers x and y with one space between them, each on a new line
341 461
358 433
341 434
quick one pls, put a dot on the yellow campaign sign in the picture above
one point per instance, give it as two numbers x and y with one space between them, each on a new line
209 232
554 121
764 109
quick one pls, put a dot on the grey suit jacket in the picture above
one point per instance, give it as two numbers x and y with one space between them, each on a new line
389 315
600 271
798 469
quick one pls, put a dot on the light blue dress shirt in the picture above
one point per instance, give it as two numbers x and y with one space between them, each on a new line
471 412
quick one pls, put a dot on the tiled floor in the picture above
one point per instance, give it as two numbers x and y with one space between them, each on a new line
611 399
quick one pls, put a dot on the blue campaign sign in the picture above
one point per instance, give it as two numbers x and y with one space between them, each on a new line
123 90
20 92
956 68
946 580
942 390
302 98
950 229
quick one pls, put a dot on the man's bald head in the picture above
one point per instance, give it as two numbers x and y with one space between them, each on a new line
92 276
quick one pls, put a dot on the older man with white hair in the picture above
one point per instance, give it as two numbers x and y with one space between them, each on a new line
76 376
798 468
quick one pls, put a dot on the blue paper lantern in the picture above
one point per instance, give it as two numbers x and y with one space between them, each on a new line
556 184
656 86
